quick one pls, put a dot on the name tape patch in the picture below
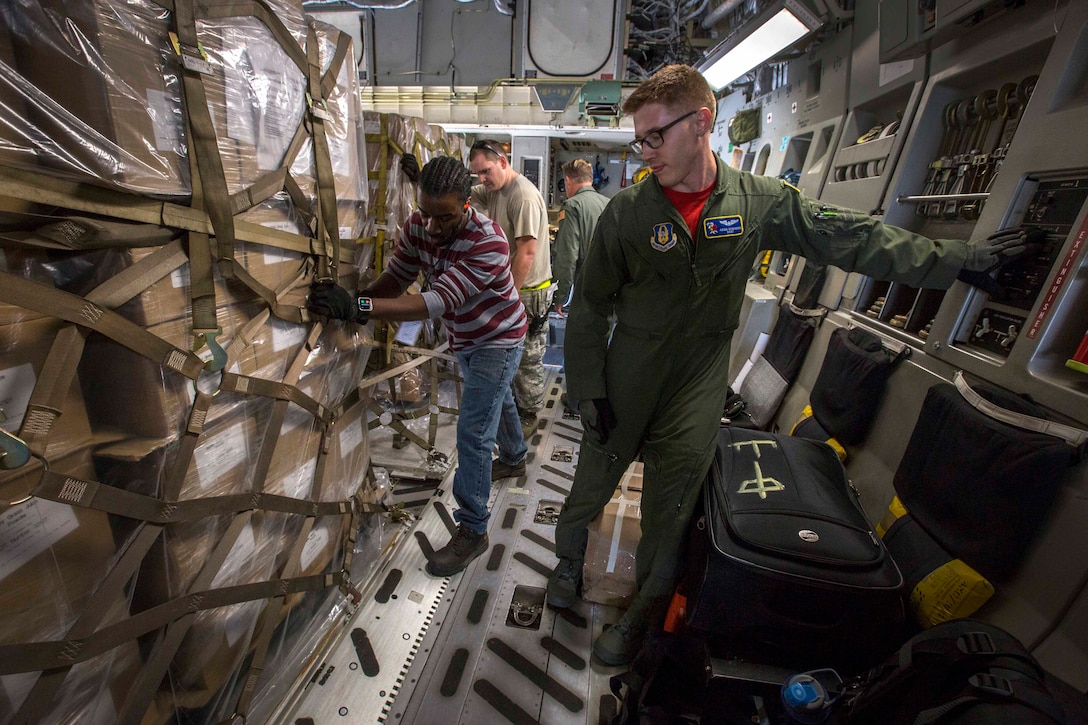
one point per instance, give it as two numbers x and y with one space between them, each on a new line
724 226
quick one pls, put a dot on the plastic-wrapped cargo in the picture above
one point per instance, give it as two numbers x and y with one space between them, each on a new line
210 659
392 196
52 557
226 461
341 112
285 421
101 85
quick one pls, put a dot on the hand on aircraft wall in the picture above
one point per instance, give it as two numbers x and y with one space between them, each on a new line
984 256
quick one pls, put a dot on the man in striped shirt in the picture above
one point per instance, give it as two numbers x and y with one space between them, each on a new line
465 261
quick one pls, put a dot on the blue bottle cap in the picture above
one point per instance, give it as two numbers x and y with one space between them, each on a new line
803 695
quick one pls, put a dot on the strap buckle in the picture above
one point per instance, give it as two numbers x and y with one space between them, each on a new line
319 109
219 355
976 643
991 684
195 59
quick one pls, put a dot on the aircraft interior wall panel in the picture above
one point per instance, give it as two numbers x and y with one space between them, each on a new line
1008 50
1045 603
869 78
719 137
443 40
884 98
800 126
1061 644
795 117
572 38
1020 337
883 102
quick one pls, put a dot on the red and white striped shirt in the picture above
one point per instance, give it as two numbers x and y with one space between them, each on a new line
469 282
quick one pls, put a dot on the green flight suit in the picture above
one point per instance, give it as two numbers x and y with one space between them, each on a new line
677 302
577 220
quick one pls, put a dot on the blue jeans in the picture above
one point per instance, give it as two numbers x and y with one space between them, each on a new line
488 415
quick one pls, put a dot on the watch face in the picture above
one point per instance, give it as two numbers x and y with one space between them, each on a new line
365 305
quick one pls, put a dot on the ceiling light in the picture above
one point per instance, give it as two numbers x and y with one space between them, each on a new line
781 25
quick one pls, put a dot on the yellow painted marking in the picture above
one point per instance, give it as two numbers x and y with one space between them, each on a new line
760 484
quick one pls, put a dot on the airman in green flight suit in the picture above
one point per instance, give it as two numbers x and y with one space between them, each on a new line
670 258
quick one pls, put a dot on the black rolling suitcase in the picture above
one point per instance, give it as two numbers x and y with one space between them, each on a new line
784 564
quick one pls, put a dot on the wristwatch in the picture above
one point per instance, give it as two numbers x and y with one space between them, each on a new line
365 305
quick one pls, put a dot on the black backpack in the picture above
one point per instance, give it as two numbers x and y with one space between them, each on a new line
963 672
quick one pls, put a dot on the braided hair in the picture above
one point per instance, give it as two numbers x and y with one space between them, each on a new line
445 175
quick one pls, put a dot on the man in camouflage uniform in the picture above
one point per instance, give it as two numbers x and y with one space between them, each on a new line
512 202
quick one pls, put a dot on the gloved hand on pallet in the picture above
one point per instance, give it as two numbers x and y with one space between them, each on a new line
410 166
328 299
986 255
598 417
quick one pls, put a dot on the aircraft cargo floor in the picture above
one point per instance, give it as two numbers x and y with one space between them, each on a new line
478 647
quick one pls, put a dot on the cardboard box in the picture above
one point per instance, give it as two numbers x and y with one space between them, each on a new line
608 574
218 638
294 461
170 297
221 464
71 271
106 97
130 393
256 94
349 455
108 104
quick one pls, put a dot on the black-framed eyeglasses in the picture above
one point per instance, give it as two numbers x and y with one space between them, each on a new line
485 146
655 138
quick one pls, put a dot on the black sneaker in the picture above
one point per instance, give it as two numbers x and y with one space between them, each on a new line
619 644
465 546
563 583
500 470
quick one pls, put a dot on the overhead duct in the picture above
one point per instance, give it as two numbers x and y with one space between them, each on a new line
718 14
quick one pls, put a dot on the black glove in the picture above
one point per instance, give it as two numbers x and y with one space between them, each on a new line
410 166
598 417
986 255
328 299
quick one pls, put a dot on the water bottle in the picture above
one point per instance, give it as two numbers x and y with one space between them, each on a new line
805 700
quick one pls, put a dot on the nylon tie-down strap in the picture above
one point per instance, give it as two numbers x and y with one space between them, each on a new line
48 300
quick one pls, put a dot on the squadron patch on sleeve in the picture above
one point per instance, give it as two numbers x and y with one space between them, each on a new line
664 238
562 214
723 226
